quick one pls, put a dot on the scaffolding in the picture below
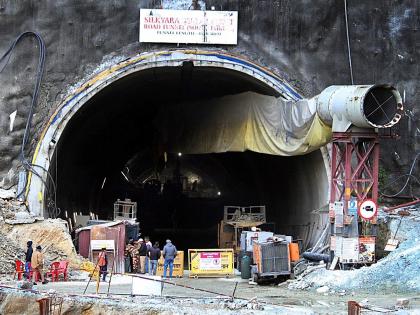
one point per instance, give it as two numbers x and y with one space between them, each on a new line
240 217
125 210
354 181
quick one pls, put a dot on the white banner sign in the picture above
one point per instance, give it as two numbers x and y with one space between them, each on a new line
188 26
350 251
210 261
99 244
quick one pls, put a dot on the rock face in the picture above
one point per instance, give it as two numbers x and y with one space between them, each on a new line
18 304
9 251
304 41
9 208
52 235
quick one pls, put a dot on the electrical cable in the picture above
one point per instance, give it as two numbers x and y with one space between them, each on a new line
29 167
410 175
398 178
348 42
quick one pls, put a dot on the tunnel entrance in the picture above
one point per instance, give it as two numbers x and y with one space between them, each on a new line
110 149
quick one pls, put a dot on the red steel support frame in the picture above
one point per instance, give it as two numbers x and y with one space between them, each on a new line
354 167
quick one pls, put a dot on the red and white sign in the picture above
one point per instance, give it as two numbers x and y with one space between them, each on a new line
368 209
367 249
188 26
210 261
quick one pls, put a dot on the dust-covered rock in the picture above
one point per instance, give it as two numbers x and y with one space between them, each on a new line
51 234
396 273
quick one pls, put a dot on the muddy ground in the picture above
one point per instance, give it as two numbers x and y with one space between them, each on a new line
267 299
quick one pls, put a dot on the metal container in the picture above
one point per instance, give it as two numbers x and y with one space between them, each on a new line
249 237
272 258
245 267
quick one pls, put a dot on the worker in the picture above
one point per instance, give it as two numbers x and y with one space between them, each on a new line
127 259
130 250
169 254
28 257
142 256
37 264
154 255
103 263
135 256
149 246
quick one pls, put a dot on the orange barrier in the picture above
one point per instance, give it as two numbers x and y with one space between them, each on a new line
294 252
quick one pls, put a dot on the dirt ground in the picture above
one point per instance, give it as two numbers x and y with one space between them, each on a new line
274 299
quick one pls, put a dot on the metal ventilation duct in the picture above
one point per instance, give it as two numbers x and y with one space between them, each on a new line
364 106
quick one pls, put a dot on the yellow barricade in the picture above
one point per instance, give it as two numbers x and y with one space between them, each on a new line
89 267
178 266
211 262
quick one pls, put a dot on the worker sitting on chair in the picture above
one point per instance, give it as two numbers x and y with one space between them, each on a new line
103 263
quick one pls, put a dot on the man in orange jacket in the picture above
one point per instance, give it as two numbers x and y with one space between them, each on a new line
103 263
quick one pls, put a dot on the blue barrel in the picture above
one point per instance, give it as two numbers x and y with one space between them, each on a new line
245 267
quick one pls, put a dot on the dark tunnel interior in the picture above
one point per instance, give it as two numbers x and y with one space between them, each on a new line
110 150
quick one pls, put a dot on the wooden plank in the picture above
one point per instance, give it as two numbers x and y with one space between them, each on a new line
334 263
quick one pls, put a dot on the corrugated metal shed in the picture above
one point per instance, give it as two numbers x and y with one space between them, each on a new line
109 231
84 242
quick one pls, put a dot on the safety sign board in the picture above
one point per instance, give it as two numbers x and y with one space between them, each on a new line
338 212
350 249
352 207
210 261
331 210
368 209
367 249
188 26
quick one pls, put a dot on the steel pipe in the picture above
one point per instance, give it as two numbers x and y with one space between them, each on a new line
364 106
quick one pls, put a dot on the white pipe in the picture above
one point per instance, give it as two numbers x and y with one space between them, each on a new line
364 106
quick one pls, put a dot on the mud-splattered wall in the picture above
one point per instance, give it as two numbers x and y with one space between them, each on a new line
304 41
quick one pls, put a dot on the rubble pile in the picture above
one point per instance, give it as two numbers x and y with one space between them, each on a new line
9 207
24 302
51 234
9 251
17 226
396 273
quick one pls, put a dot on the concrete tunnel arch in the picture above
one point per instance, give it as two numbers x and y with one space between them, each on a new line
313 170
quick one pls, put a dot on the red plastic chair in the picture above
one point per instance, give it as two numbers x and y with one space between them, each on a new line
19 269
58 268
62 270
52 272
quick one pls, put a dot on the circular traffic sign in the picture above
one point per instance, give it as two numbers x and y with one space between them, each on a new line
368 209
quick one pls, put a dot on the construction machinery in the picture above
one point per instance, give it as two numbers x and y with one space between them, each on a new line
272 260
238 229
237 219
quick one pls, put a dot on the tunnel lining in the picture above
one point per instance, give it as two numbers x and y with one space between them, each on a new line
82 94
